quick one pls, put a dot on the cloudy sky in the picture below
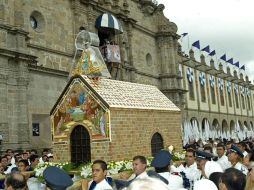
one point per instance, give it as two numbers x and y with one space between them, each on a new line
226 25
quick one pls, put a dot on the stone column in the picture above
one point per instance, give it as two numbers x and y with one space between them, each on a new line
22 88
167 51
3 109
131 62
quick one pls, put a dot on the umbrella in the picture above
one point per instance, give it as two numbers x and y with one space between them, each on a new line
108 23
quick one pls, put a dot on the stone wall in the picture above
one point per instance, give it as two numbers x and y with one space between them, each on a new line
43 91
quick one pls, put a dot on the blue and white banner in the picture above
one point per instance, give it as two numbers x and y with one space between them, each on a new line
190 75
212 81
202 78
221 84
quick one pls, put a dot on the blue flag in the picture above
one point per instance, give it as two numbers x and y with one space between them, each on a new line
230 61
212 53
196 44
206 49
184 34
223 57
237 64
243 67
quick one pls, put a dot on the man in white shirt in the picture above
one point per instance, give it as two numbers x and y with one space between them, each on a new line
190 166
139 165
222 158
99 172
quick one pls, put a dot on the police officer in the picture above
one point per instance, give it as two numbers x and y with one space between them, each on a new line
56 178
206 165
235 156
161 163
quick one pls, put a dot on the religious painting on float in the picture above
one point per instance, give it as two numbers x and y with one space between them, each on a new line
78 107
91 64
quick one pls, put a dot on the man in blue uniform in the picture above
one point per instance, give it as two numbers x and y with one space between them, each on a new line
56 178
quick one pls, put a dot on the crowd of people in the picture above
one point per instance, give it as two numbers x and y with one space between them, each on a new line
16 167
213 166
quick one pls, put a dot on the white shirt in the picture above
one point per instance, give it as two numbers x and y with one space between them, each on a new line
192 172
175 182
245 154
224 163
34 184
8 171
103 185
241 167
140 176
211 167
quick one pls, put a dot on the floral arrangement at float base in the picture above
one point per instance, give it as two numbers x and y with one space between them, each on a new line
114 167
176 156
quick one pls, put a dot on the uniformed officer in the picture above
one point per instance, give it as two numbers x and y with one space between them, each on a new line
56 178
206 165
235 156
161 163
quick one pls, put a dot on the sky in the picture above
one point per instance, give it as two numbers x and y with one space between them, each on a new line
226 25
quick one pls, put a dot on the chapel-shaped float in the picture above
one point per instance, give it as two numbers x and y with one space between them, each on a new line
99 118
112 120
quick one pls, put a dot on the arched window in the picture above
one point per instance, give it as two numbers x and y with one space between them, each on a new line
202 81
243 103
221 97
213 95
236 101
156 143
191 91
190 78
80 145
221 91
229 91
236 97
248 99
212 88
149 60
229 99
202 89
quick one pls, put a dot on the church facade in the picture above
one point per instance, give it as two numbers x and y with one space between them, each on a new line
37 47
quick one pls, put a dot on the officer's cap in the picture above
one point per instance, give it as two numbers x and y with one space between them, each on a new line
57 178
203 155
161 159
235 149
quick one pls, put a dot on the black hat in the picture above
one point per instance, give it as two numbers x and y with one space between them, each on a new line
57 178
235 149
204 155
161 159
